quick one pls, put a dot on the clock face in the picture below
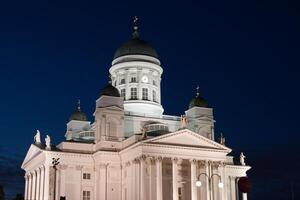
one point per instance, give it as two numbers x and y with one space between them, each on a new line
145 79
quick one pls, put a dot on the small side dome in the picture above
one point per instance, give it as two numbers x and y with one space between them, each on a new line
78 114
110 90
199 101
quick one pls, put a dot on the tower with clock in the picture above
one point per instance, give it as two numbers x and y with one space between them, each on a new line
136 73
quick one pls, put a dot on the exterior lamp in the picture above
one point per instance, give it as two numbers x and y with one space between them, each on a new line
199 183
220 184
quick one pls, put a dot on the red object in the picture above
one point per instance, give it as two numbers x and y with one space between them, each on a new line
244 184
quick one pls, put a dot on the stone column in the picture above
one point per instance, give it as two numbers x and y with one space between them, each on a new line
29 186
159 195
33 189
174 178
151 179
208 185
136 175
193 180
42 183
46 182
38 177
232 188
26 187
142 177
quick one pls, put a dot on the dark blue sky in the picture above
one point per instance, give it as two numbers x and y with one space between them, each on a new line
243 54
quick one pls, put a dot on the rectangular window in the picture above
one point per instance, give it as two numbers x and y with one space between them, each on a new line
86 176
153 96
123 93
86 195
154 83
133 93
145 93
122 81
133 80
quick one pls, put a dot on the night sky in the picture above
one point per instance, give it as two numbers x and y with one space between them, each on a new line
244 55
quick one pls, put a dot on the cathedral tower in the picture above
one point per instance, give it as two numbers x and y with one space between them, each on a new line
136 73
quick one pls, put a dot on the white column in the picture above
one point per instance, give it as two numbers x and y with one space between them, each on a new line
244 196
26 188
137 179
208 186
42 183
46 182
174 178
159 195
150 188
38 176
29 186
142 177
232 188
33 189
193 180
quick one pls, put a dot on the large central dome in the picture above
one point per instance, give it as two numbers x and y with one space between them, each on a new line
135 46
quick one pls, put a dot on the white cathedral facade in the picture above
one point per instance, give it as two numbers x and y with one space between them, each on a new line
132 150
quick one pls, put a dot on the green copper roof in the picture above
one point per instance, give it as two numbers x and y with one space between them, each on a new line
110 90
78 114
136 46
198 101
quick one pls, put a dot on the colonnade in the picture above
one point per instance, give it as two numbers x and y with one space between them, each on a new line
37 184
136 169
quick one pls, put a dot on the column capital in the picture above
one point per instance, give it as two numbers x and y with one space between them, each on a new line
158 158
193 161
174 159
202 163
142 157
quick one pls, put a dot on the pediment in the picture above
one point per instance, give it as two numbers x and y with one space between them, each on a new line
187 138
31 153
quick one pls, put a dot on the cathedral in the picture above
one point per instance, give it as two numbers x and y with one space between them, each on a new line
132 150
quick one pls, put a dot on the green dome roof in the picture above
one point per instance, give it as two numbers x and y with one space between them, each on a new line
198 101
136 46
78 114
110 90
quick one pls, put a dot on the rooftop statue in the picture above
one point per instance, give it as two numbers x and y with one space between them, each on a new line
48 142
242 159
37 137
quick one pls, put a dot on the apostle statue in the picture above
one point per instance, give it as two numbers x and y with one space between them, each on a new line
37 137
48 142
183 120
242 159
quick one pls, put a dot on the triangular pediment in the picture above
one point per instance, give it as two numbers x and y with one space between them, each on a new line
187 138
31 153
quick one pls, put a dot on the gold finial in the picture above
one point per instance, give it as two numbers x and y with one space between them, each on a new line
197 91
222 139
78 105
135 27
